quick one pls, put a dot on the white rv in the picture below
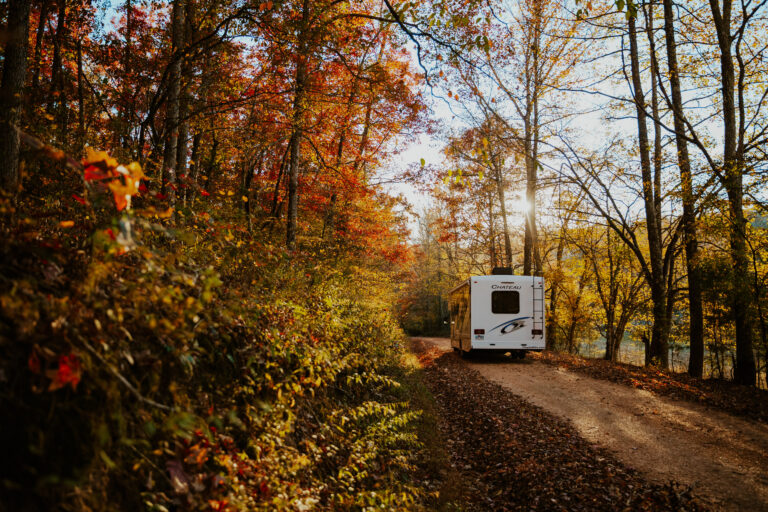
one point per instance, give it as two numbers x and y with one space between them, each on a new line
503 313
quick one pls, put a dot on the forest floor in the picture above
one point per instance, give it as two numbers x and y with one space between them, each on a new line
573 437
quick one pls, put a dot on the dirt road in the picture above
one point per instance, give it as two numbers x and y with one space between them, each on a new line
724 458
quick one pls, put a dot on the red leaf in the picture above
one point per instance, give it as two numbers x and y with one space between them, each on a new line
93 172
34 363
68 373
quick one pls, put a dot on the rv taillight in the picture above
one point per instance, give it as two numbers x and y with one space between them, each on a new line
479 331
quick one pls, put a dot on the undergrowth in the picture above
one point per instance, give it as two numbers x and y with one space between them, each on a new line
157 360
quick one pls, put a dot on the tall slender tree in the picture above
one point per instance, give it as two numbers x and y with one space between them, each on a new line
11 88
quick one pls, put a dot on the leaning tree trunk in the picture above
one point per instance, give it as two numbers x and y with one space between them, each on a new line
14 73
660 331
696 311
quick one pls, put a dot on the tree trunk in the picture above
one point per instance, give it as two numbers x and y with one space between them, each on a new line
696 311
359 160
278 181
491 231
531 258
658 156
553 289
503 208
126 114
14 73
172 107
211 164
80 98
182 142
194 169
329 222
39 45
660 331
733 160
184 101
299 106
530 195
58 99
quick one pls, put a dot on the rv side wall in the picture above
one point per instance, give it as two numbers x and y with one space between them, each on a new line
460 316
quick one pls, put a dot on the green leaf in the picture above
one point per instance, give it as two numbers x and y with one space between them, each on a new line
109 462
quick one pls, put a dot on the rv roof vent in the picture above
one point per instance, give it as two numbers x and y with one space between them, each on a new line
502 271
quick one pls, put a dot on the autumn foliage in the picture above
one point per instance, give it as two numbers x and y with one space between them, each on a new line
163 347
153 364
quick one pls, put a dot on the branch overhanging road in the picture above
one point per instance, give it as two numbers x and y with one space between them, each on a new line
722 457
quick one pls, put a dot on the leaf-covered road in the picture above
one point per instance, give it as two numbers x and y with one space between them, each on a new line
515 456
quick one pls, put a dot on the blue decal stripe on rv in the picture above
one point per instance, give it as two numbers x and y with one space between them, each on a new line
509 323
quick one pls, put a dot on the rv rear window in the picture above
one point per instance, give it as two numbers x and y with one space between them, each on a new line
505 301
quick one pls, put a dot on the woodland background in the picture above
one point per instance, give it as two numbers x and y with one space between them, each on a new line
205 277
618 149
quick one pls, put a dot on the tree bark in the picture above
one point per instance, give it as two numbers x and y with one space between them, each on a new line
503 209
57 103
126 114
212 155
329 222
80 98
299 106
184 100
172 108
194 169
491 231
39 44
14 73
696 310
551 341
531 257
660 332
733 168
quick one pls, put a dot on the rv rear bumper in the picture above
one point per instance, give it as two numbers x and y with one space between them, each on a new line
506 346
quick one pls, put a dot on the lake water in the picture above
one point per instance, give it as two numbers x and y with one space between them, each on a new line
633 352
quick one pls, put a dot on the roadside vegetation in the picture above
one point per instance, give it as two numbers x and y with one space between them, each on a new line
161 361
